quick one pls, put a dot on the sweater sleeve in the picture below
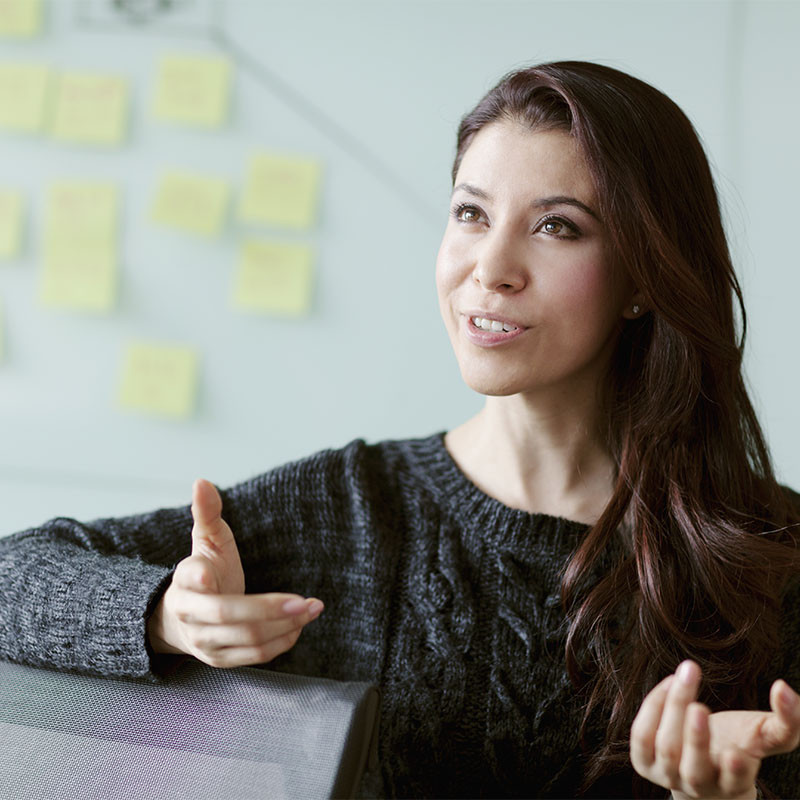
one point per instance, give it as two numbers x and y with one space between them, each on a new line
77 596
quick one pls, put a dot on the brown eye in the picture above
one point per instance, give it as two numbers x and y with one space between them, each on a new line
553 226
467 213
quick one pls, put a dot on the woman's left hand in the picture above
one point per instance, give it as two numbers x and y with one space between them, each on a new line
679 744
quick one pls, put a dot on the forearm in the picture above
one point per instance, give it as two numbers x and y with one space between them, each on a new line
64 606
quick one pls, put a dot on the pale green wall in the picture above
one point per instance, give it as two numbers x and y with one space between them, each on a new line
375 90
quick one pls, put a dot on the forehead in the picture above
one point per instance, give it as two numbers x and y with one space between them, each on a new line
506 156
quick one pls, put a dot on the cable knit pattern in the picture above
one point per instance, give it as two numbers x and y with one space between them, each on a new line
446 598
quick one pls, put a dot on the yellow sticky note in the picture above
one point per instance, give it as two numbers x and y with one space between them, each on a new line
194 203
81 208
23 93
274 277
159 379
79 274
80 244
192 90
281 190
10 223
90 108
20 18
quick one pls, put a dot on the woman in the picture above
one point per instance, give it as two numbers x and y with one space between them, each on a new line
544 592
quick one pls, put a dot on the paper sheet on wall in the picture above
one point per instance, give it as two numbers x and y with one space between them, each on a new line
10 223
191 202
2 332
159 379
80 246
192 90
274 277
90 108
23 95
280 190
20 18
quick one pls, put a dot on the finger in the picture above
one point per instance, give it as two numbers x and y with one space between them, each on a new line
780 731
669 738
210 533
196 573
645 725
210 638
229 609
244 656
737 773
697 771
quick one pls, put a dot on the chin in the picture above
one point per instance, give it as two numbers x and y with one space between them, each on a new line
491 385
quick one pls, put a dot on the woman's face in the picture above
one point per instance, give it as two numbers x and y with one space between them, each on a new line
526 290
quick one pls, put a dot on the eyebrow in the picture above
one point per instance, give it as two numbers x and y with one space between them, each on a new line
541 202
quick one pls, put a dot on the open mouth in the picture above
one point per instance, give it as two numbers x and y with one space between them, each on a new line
493 325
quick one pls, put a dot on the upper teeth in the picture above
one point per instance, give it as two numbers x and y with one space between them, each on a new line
492 325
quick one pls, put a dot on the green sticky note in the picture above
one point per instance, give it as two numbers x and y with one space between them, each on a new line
20 18
190 202
192 90
274 277
90 108
159 379
23 94
281 191
10 223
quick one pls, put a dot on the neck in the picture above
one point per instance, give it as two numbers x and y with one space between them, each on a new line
540 457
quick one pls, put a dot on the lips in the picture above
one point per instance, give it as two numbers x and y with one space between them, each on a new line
489 330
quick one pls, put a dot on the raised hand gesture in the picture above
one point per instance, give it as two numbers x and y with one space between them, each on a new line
205 612
679 744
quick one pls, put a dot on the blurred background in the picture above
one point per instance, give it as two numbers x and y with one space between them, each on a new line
219 221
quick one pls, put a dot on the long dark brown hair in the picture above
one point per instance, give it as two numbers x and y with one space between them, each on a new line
704 535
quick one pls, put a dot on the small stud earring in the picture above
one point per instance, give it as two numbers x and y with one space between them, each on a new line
636 309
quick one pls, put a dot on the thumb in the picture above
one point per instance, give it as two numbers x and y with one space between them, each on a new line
781 729
212 538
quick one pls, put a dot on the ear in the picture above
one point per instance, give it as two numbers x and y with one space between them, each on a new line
635 307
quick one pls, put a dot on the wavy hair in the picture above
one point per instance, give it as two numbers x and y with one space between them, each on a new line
701 532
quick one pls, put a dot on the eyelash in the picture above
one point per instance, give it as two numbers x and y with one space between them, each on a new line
573 230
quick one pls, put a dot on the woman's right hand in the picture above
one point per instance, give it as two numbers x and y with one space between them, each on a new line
205 612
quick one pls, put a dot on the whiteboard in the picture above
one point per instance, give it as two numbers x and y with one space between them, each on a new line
374 91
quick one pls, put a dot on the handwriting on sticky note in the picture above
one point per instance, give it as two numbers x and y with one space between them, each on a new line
81 208
280 191
20 18
191 202
192 90
80 246
90 108
274 277
10 223
159 379
23 93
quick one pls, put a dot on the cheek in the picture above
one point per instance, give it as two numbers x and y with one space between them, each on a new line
589 291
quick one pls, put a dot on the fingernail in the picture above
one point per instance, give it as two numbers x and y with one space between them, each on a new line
788 697
685 673
294 606
315 608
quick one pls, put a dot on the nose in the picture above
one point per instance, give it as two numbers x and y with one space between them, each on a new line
499 265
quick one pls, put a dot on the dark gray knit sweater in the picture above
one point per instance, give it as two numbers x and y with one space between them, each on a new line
445 597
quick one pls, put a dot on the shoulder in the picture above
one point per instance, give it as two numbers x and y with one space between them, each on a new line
343 475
